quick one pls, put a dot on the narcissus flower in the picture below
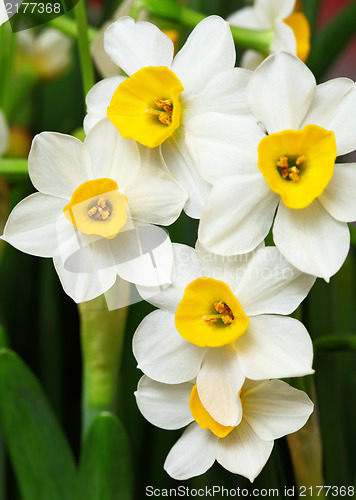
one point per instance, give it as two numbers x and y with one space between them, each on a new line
4 134
282 170
291 29
221 321
93 212
161 94
270 409
47 53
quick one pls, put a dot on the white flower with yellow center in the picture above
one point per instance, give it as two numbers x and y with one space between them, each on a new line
93 212
162 94
291 29
221 321
270 409
4 134
282 171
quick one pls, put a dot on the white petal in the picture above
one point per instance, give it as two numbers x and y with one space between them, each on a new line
162 353
243 452
218 383
4 134
133 46
228 269
339 195
225 93
280 92
166 406
98 99
83 286
334 108
238 215
284 38
111 155
58 164
187 270
274 347
193 454
274 9
181 165
208 50
311 239
245 18
271 285
31 226
223 145
251 59
154 196
84 263
274 409
143 255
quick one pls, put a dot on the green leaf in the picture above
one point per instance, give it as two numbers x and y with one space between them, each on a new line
39 452
105 465
329 43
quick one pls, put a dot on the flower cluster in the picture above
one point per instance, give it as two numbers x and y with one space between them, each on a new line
247 154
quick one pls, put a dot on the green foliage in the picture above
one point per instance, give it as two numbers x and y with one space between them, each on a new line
39 452
105 464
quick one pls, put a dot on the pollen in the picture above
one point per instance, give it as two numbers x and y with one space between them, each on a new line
225 314
290 173
164 116
100 211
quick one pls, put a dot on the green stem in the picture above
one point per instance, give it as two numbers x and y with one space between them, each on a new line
8 47
245 38
305 446
86 64
102 336
13 166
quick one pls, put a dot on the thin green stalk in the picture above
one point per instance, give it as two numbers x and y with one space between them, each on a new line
13 166
102 336
86 64
6 70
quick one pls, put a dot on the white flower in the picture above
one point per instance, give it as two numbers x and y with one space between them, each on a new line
291 29
49 52
4 134
221 321
271 409
102 61
162 94
282 171
93 212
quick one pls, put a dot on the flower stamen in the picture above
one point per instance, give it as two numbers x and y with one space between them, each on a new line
226 315
100 211
164 116
287 172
